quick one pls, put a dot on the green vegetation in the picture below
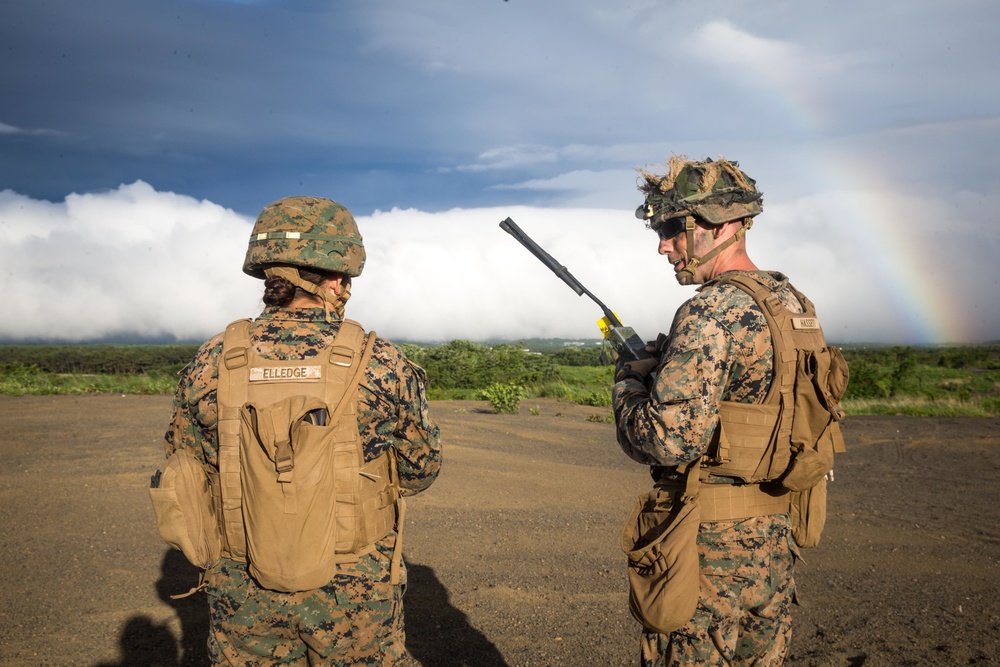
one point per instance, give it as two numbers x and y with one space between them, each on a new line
102 359
926 381
17 379
504 397
91 369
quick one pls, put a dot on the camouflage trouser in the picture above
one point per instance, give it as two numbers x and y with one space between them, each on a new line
354 620
744 611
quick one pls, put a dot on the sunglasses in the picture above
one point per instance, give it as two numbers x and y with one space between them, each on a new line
668 229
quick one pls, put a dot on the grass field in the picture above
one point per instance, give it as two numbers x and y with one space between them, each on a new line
917 381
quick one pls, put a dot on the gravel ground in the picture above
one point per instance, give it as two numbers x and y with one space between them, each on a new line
513 554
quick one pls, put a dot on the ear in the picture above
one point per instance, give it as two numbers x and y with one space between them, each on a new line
334 285
726 229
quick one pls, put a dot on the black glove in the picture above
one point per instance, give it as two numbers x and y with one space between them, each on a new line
639 370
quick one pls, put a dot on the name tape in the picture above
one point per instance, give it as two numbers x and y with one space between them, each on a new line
270 374
805 323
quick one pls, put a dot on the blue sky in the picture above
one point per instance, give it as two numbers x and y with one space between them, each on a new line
139 140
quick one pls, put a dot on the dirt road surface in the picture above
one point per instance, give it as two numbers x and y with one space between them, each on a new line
513 554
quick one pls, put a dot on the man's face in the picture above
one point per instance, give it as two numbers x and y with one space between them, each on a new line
677 253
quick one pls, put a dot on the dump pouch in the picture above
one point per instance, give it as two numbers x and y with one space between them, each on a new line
660 541
185 510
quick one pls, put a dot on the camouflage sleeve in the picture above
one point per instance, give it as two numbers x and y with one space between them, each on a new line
406 426
418 439
195 415
671 421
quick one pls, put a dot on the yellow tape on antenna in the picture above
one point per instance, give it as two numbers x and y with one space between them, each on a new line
605 325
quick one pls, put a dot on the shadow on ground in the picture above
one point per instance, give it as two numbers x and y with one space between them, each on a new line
144 642
437 633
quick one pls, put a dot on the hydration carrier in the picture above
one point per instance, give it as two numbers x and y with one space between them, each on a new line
790 438
294 494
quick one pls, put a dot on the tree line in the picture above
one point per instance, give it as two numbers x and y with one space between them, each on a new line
464 369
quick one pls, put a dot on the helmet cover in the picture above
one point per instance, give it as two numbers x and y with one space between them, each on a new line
311 232
712 191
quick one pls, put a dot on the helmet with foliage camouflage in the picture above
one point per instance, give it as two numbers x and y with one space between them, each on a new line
310 232
712 191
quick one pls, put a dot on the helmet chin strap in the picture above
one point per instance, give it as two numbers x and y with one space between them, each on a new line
336 301
686 275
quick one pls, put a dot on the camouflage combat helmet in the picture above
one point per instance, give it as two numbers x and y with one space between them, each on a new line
713 191
708 191
310 232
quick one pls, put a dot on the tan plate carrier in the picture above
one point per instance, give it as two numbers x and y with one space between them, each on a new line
792 435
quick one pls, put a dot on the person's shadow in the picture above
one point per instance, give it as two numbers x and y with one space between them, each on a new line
145 643
178 576
437 633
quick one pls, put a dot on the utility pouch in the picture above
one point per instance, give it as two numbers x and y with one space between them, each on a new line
821 379
809 467
660 541
744 443
184 508
808 514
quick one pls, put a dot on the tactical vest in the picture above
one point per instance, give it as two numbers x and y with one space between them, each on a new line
295 496
791 436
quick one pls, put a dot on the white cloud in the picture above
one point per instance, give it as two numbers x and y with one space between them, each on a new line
584 188
458 275
131 261
507 157
137 261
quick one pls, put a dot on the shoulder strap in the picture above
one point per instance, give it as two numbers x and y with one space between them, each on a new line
784 357
780 324
350 342
231 394
348 358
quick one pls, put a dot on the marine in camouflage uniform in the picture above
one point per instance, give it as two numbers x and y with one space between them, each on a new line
719 349
357 618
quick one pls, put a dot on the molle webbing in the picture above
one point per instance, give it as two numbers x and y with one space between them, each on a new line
724 502
721 502
231 395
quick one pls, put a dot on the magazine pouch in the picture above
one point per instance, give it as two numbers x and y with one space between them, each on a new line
184 508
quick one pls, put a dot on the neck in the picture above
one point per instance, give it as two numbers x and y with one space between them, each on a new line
305 301
734 259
